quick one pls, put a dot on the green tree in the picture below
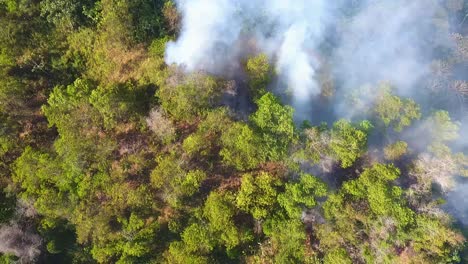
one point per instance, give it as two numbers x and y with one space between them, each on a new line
175 182
396 150
348 142
436 241
370 214
220 211
189 97
241 147
179 254
133 244
42 180
442 128
136 21
315 144
260 72
257 195
208 135
117 103
337 256
66 14
81 145
394 111
288 239
8 259
383 199
301 195
275 124
197 242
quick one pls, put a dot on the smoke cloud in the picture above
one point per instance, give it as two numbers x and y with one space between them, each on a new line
456 203
213 34
383 40
386 40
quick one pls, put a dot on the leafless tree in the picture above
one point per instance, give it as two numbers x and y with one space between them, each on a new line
20 241
160 124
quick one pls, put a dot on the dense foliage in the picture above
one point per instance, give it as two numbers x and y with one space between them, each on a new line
108 155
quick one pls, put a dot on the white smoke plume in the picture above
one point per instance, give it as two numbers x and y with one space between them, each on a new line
390 41
387 40
457 203
213 32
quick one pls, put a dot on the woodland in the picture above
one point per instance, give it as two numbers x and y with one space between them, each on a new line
109 154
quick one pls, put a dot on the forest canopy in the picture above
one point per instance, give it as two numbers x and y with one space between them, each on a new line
249 131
